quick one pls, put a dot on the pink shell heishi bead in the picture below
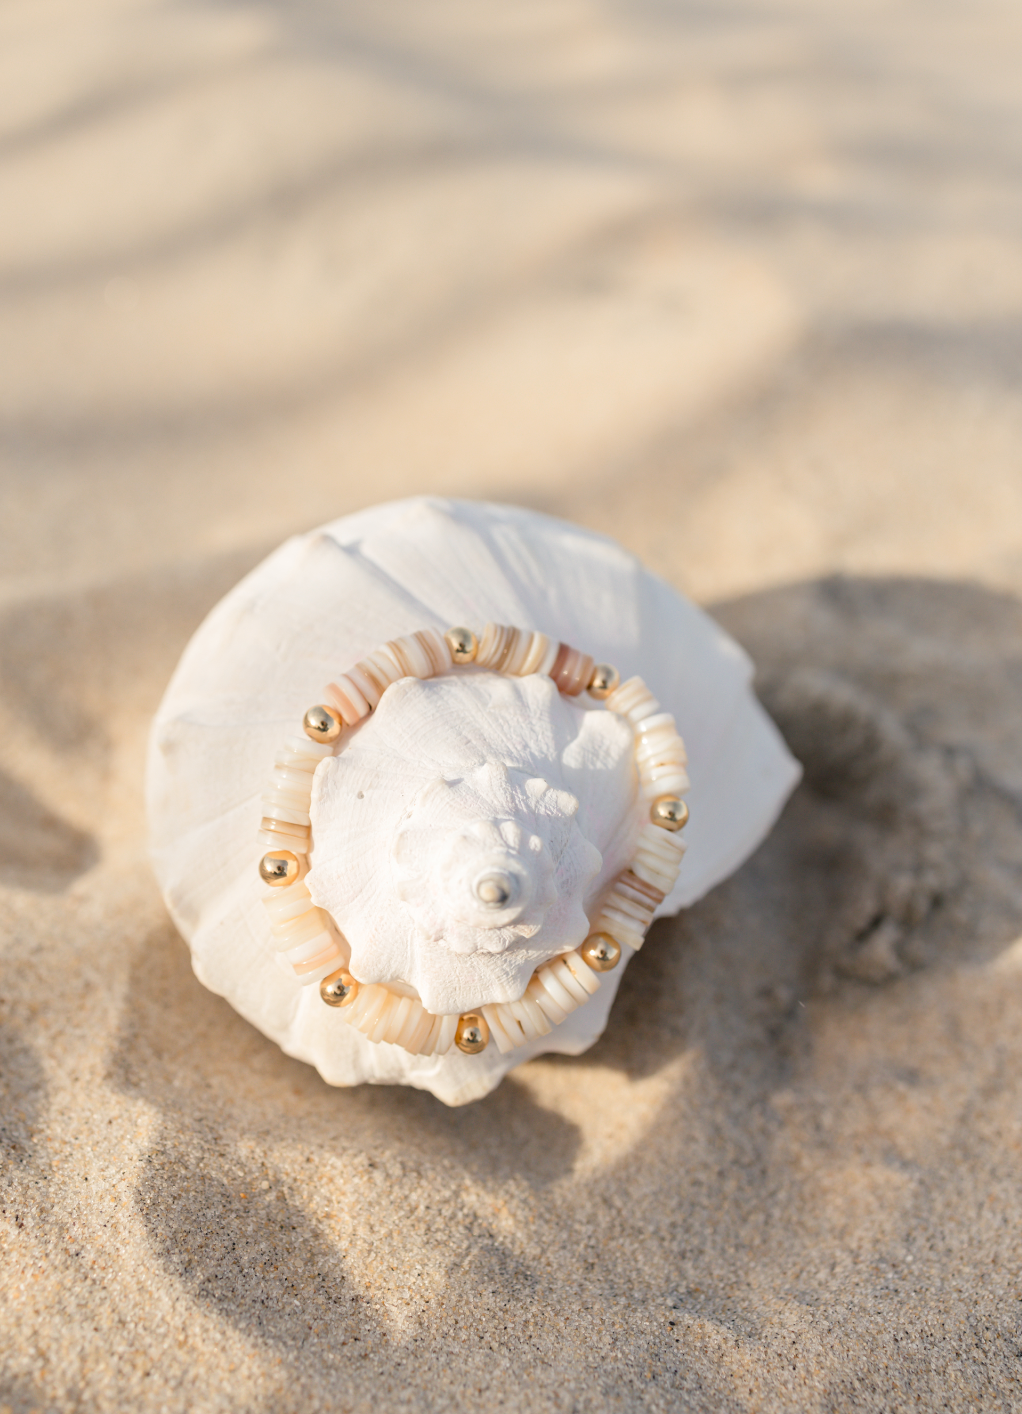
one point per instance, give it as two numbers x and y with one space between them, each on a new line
503 1038
544 999
555 989
621 929
366 683
284 814
364 1003
513 643
668 753
430 1043
416 1029
445 1037
398 1018
418 1024
645 863
301 746
530 1018
663 780
379 1016
422 1041
289 799
411 655
287 903
540 657
656 858
309 973
367 670
385 1020
345 698
436 649
661 842
270 825
658 721
525 1018
519 652
382 665
407 1024
633 887
584 975
633 700
631 905
627 913
291 931
663 876
291 778
658 734
492 645
571 671
277 839
553 977
309 949
662 754
288 760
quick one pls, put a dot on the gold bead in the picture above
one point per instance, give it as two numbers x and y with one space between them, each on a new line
339 989
601 952
473 1034
669 813
462 643
279 868
322 725
603 681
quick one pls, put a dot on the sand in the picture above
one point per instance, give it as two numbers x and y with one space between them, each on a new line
742 285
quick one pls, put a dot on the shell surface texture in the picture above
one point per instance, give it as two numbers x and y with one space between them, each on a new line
473 851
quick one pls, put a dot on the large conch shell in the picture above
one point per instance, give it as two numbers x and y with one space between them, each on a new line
465 833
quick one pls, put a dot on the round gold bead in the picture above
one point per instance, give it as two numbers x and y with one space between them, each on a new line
339 989
322 725
601 952
669 813
462 643
279 868
603 681
473 1034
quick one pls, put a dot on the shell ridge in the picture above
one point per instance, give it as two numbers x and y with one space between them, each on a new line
448 552
570 611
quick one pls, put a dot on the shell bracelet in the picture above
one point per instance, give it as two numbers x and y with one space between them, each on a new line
312 945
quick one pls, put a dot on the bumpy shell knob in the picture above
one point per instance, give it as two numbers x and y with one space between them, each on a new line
339 989
473 1034
462 643
669 813
601 952
322 725
279 868
603 681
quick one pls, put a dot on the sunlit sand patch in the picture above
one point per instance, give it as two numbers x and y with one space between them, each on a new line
612 1112
1010 960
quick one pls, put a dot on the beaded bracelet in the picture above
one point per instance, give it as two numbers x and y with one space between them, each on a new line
310 941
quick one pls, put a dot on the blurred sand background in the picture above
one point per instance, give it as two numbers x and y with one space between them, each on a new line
740 284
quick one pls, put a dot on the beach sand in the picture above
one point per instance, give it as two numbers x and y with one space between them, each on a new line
740 285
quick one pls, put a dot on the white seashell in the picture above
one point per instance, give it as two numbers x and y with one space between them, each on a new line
467 833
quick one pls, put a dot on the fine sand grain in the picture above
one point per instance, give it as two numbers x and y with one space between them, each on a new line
741 285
